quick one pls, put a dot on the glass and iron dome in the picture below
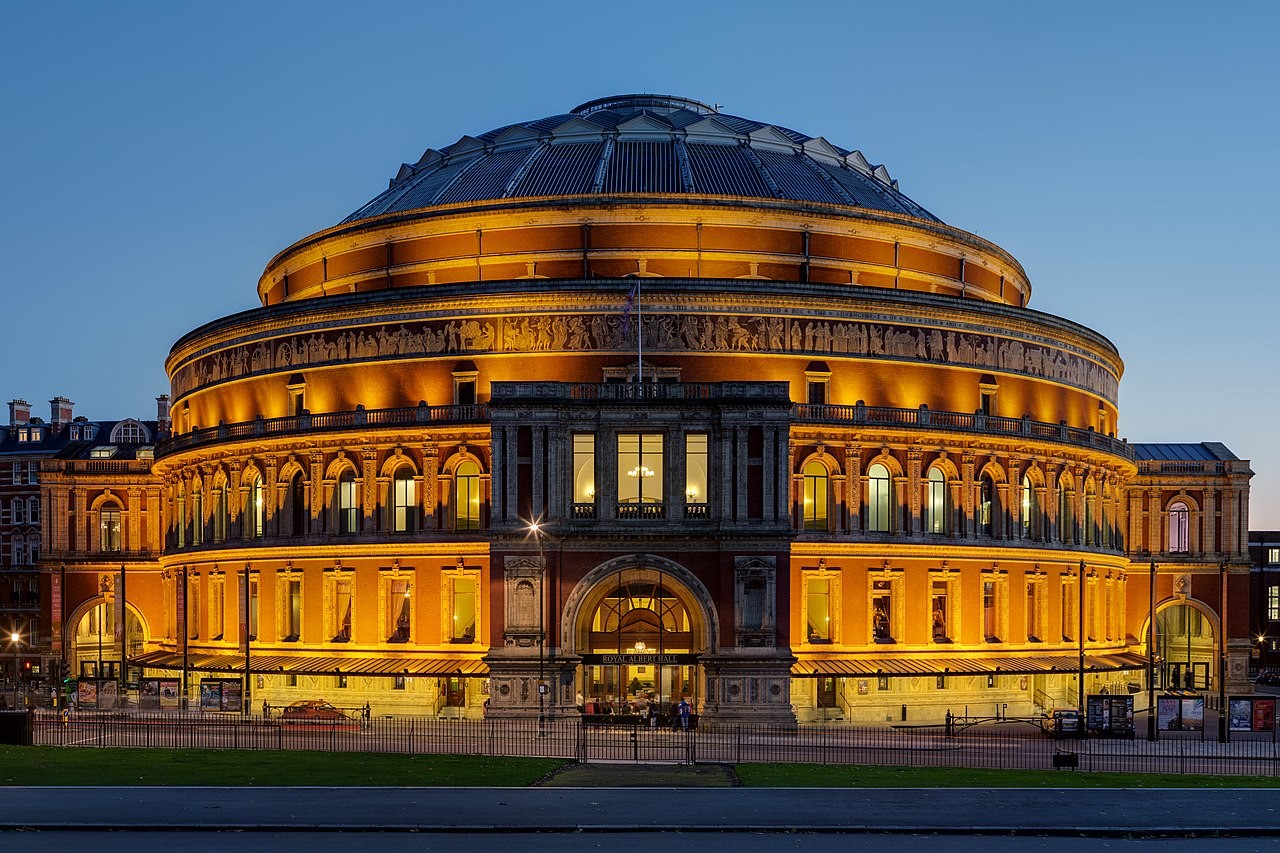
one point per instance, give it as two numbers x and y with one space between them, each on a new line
657 145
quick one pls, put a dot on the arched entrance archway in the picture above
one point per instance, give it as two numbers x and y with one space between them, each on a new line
639 625
1186 649
93 644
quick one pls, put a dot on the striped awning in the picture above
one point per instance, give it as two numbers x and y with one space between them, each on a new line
817 666
268 664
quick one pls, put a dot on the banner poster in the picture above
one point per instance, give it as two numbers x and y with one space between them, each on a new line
1192 714
232 694
1264 715
1169 713
1240 714
149 694
108 695
1110 715
87 693
169 693
210 695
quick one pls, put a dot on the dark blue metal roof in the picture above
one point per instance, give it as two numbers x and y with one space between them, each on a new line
1202 452
657 144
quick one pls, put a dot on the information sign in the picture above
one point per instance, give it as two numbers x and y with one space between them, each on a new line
1110 716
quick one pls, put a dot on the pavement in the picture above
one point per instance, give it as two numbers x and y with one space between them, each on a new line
1118 813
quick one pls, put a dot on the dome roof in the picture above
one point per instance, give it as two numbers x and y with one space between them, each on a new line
646 144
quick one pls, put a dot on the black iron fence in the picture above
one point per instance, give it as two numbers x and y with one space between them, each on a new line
1007 745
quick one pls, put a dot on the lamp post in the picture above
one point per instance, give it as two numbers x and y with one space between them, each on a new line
1151 653
1222 651
15 642
1082 592
536 530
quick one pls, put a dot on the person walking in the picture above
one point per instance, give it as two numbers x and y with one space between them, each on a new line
683 710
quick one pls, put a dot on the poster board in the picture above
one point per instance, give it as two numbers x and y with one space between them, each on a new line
220 694
1110 716
1169 713
1251 713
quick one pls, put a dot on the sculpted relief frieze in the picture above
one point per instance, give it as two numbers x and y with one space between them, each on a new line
663 333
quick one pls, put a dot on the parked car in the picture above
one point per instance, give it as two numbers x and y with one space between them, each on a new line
1065 722
312 711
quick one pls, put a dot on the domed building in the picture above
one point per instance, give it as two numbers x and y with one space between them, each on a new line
647 401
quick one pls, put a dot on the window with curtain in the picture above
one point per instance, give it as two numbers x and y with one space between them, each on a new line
935 505
109 527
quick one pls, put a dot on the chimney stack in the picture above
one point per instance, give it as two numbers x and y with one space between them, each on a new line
60 412
162 413
19 413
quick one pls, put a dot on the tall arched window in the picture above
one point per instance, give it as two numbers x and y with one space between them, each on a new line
935 506
466 496
1065 520
348 506
256 509
403 502
1030 508
197 516
816 484
109 527
878 499
986 506
297 504
221 511
1179 528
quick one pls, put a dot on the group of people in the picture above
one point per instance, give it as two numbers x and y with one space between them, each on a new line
679 712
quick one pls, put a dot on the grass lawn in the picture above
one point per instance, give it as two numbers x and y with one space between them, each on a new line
833 776
52 765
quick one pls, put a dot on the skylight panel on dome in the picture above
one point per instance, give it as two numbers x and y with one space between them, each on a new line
864 189
820 149
725 170
644 127
465 145
516 134
643 167
795 180
772 138
855 160
575 129
424 190
561 170
712 131
487 179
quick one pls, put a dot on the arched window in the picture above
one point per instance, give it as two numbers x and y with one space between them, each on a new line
936 504
1179 528
1030 509
297 504
402 501
466 496
1065 520
986 506
348 505
816 484
129 431
255 509
221 512
109 526
197 516
878 499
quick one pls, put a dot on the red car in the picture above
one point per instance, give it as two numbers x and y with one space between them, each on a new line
312 711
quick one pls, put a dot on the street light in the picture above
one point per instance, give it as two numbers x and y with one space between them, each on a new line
15 642
1222 651
536 530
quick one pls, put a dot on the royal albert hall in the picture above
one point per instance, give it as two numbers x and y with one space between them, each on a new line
645 401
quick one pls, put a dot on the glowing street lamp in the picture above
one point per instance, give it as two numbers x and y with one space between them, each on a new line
536 530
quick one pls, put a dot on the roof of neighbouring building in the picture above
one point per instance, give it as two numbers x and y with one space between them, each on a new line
1206 451
648 144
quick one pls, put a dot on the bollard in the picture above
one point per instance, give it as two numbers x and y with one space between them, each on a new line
904 713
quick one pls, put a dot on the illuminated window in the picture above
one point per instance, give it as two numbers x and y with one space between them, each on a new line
584 475
109 527
253 609
1273 556
399 625
991 611
348 505
463 618
1273 603
403 511
940 606
466 496
291 611
341 589
936 503
882 611
1179 523
180 517
816 486
640 476
695 475
1065 521
197 517
256 509
221 512
129 432
986 506
818 609
878 499
1030 509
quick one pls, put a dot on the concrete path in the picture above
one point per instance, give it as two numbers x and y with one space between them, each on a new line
1097 812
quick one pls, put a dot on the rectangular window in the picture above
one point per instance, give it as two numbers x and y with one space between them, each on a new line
1070 615
818 608
695 476
584 475
1091 612
19 511
340 628
991 611
1273 603
348 509
640 476
1273 556
463 622
109 524
33 473
399 612
940 601
404 505
291 630
217 607
882 611
817 393
193 607
1033 611
253 610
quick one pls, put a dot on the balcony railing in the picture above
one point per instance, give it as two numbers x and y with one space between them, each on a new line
1185 466
926 418
327 422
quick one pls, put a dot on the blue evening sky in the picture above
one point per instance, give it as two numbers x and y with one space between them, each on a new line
154 156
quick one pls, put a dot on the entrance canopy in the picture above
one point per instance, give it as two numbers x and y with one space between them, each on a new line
825 666
316 665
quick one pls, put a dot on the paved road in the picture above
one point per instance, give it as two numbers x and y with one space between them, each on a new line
1096 812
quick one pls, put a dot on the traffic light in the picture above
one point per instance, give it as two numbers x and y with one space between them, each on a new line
64 669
